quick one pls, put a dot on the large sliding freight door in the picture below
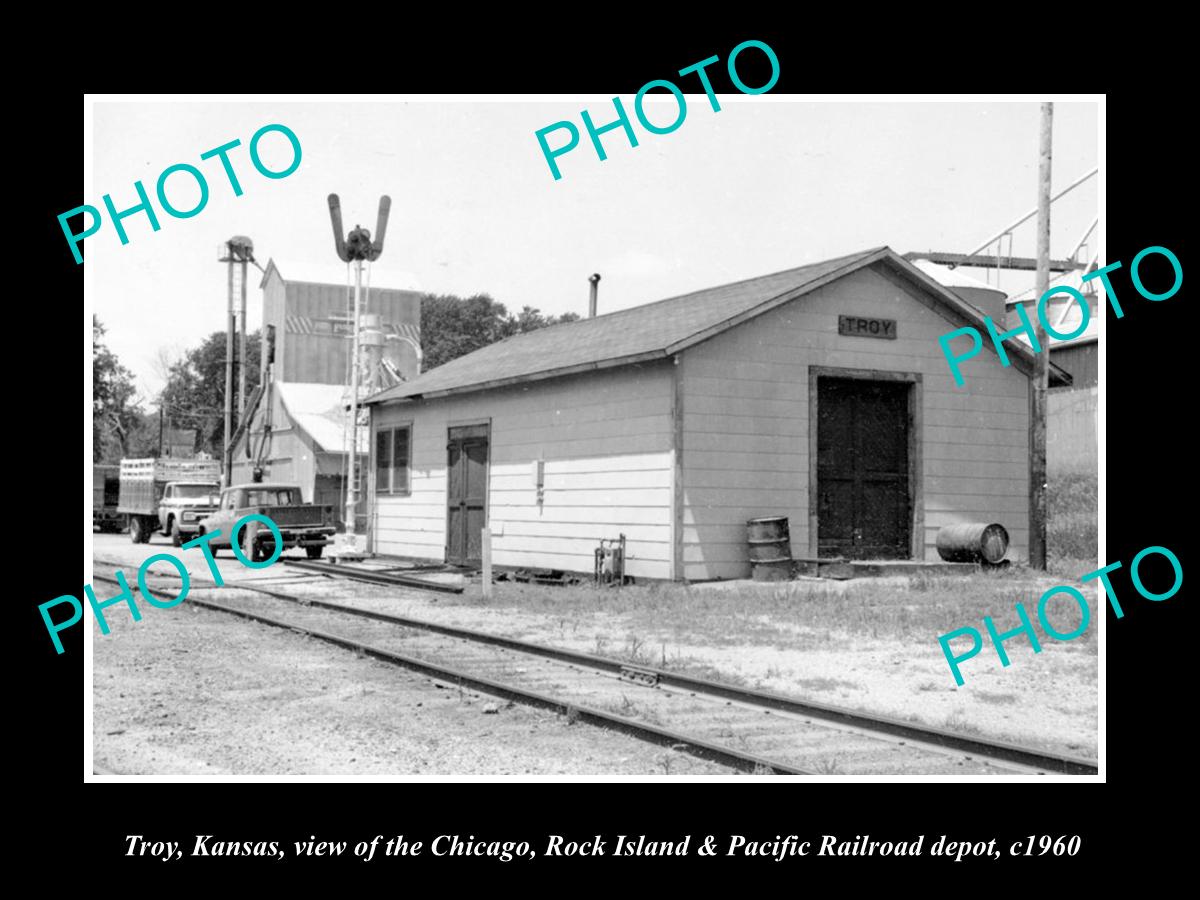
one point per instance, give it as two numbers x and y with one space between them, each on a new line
862 468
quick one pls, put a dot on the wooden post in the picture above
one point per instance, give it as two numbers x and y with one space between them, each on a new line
1041 366
241 357
678 569
227 455
486 536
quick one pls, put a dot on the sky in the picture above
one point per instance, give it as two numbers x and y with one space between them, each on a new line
765 184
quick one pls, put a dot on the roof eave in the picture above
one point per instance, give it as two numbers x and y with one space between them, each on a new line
954 306
1022 356
650 356
1075 342
271 267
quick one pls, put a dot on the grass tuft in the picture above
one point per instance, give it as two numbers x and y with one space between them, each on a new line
1072 540
813 615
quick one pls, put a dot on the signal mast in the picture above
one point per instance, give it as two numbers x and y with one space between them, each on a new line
356 247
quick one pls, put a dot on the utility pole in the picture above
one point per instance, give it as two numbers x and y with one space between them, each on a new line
242 347
238 249
226 475
1041 360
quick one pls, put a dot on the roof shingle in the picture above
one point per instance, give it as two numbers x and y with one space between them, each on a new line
625 336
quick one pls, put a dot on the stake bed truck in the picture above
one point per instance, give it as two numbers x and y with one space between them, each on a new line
167 495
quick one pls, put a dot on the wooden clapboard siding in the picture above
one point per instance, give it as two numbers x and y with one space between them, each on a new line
746 422
606 441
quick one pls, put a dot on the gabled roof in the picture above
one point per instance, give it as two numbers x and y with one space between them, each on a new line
1072 278
320 411
331 271
1063 311
659 330
952 278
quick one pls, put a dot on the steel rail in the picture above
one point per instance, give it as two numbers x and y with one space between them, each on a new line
372 577
665 737
662 736
240 586
936 738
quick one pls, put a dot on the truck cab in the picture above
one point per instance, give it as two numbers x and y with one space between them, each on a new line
183 505
300 524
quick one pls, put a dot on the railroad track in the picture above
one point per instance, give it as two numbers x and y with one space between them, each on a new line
371 576
749 730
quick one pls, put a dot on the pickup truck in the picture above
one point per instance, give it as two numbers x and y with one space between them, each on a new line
301 524
167 495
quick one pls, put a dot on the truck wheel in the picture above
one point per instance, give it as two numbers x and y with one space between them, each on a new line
135 530
176 534
314 552
167 528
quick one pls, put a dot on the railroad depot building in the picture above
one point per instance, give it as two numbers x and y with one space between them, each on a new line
819 393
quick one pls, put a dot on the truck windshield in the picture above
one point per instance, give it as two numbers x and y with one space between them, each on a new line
195 491
272 497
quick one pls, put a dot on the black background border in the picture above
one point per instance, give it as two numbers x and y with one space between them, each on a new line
1148 444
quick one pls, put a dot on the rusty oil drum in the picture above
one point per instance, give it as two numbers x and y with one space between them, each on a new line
972 542
770 548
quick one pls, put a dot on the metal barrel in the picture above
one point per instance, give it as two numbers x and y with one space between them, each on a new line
972 542
770 548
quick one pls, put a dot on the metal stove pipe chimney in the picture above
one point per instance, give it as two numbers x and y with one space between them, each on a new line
594 281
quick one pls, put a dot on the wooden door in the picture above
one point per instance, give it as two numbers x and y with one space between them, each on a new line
466 493
862 468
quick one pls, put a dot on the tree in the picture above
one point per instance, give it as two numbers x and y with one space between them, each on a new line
115 410
143 438
194 395
530 319
453 326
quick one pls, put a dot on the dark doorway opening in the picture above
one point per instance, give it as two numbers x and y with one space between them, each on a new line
864 489
466 492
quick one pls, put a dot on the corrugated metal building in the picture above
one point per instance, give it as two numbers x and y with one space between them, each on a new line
1079 356
1072 425
305 407
819 393
311 314
307 441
